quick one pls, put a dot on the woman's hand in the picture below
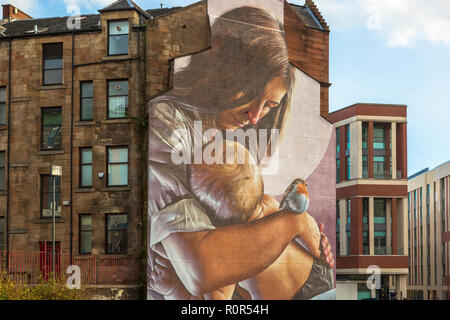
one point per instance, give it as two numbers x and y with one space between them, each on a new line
163 279
325 248
314 238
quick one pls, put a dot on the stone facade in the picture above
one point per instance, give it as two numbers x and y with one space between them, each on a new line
86 59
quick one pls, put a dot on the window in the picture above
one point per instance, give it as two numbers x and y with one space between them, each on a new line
85 233
117 166
365 163
347 134
117 99
365 226
379 140
2 170
86 167
365 135
118 37
378 167
116 233
51 129
87 92
348 227
338 142
53 63
338 229
338 170
47 196
347 171
2 233
2 105
380 227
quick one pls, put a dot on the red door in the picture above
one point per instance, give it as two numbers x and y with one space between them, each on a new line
46 258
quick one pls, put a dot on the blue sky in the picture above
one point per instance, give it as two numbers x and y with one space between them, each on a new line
381 51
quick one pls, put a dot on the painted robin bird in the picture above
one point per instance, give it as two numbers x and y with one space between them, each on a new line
296 197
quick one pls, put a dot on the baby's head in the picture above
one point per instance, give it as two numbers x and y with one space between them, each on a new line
231 192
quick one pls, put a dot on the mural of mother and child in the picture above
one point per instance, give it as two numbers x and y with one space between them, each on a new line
216 228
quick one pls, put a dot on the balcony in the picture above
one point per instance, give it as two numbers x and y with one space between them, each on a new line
386 174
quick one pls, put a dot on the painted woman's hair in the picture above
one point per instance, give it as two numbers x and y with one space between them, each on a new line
248 50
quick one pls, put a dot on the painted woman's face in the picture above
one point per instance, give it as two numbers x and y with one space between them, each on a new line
255 110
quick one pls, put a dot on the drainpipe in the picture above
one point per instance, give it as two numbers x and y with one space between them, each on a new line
9 150
71 152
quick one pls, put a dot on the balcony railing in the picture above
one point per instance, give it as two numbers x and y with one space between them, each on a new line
381 251
382 174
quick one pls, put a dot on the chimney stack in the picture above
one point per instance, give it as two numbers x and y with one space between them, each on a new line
11 13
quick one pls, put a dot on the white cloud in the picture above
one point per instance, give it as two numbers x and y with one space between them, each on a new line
403 23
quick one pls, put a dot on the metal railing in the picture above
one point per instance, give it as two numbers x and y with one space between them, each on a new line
31 266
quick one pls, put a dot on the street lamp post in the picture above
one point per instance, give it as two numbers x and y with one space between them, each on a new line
56 171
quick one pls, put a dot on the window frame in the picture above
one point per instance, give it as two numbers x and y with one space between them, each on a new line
5 103
127 163
3 168
43 64
108 97
42 198
82 98
109 37
107 230
81 164
2 233
46 109
80 231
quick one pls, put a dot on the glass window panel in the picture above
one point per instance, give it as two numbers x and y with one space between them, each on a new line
86 222
86 242
87 90
118 107
53 63
118 155
117 222
118 88
380 233
118 175
2 113
379 220
86 176
2 178
86 156
52 138
53 50
52 117
118 27
53 76
86 109
3 94
118 44
2 158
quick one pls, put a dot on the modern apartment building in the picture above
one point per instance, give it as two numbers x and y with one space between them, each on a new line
371 177
428 234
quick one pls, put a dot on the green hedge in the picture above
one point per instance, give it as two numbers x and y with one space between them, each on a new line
46 290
